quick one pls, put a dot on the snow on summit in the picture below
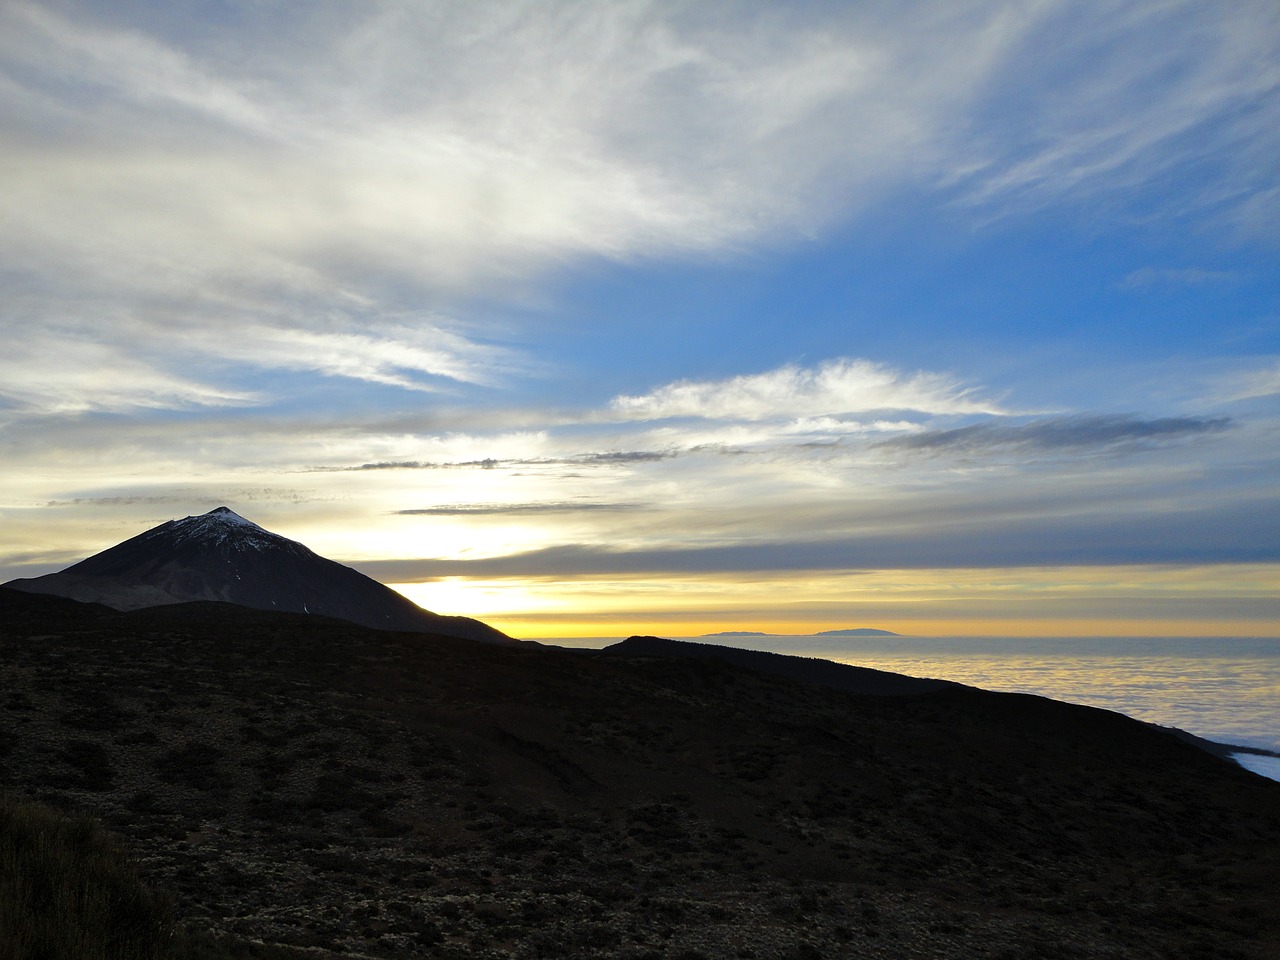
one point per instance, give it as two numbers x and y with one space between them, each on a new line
220 525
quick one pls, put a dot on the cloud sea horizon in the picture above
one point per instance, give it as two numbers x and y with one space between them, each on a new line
660 317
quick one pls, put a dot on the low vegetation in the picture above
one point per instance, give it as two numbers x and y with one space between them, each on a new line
67 890
304 788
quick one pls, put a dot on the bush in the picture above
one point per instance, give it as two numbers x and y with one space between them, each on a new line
66 890
92 765
193 765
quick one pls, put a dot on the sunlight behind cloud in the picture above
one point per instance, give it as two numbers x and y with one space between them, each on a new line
1120 601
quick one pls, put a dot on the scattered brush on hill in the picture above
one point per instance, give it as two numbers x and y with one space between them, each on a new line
305 788
67 890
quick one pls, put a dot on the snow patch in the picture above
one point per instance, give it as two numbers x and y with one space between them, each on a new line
223 525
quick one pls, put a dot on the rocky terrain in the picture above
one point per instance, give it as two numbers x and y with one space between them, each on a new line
301 786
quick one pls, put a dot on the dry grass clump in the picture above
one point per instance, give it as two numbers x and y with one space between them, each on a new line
67 890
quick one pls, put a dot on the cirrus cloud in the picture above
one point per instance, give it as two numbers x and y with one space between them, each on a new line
323 179
839 386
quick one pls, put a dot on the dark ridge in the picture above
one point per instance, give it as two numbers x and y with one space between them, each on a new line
837 676
20 609
1224 750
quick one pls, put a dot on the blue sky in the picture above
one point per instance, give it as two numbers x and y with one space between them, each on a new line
645 316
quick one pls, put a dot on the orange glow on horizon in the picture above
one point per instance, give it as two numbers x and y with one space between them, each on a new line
622 626
1208 601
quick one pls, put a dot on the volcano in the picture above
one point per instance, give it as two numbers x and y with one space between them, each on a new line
222 556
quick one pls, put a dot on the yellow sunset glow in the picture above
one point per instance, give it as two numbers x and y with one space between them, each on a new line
1227 600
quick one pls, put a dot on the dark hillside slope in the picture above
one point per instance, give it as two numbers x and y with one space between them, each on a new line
306 781
838 676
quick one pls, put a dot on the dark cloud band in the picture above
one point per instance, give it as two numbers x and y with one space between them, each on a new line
1238 533
606 458
1060 433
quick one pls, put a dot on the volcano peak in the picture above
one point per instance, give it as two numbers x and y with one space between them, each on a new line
221 556
222 526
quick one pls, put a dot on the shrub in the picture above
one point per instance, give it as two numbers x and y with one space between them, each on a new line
92 765
193 764
67 891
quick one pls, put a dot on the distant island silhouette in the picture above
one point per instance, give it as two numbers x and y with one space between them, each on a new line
858 632
846 632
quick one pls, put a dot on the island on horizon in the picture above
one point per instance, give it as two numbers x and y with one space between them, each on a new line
858 632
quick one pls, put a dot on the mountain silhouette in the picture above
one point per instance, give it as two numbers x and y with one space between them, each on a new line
222 556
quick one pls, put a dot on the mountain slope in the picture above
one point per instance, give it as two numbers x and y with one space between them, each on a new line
838 676
220 555
304 781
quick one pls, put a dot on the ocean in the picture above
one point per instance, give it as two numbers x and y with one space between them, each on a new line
1223 689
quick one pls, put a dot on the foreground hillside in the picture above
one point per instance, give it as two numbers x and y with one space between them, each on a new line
298 781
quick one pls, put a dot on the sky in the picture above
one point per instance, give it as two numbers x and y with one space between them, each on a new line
593 319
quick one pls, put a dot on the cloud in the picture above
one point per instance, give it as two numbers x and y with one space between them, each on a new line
1246 532
1120 101
607 458
135 363
498 509
130 501
620 456
413 357
840 386
1248 384
1074 433
312 194
48 374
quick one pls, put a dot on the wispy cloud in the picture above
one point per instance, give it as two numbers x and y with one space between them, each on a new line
1248 382
606 458
314 184
502 509
416 357
129 501
1158 93
841 386
47 373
